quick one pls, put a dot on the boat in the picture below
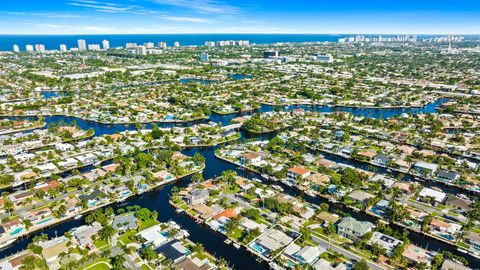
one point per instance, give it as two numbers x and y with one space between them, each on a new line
6 244
277 187
237 246
462 250
227 241
178 210
264 176
257 180
78 217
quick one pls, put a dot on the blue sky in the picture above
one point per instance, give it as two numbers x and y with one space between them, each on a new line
239 16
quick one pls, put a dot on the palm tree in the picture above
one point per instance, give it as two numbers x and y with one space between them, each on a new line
106 233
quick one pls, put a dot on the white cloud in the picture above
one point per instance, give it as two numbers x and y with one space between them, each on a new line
184 19
102 6
202 6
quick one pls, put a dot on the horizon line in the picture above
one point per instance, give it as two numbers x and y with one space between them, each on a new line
233 33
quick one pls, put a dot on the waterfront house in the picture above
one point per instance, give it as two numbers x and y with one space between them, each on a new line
12 224
197 196
318 179
69 163
173 250
273 239
321 162
83 234
360 196
53 248
326 218
87 159
382 159
251 158
415 254
153 235
387 242
353 229
473 239
425 169
451 265
47 170
448 176
444 227
163 175
125 222
366 155
298 171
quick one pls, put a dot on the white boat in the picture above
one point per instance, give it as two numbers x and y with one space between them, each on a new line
78 217
462 250
264 176
257 180
237 246
277 187
7 243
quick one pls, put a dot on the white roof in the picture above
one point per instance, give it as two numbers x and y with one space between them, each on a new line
437 195
153 235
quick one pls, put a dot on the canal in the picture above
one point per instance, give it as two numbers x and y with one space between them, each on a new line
213 241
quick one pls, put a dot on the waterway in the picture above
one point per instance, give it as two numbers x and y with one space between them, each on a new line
213 242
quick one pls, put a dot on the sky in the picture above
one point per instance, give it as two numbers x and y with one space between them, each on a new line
239 16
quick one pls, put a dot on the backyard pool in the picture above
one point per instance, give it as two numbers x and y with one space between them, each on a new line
17 230
44 221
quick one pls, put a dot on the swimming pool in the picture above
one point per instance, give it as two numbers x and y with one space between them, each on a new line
258 248
92 203
44 221
17 230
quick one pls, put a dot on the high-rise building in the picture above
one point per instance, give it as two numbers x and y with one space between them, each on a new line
162 45
148 45
176 44
39 47
210 43
203 57
141 50
29 48
63 47
131 45
16 48
81 44
243 43
106 44
269 54
94 47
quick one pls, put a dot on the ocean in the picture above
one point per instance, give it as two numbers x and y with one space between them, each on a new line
53 41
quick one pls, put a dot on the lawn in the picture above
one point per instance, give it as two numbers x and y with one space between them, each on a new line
125 237
99 264
100 244
147 224
236 234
